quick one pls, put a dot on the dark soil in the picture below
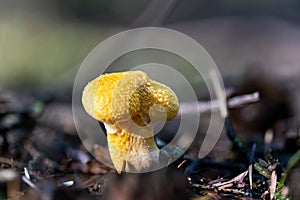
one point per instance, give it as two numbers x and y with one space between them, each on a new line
39 143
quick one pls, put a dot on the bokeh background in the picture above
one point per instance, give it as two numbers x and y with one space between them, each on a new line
43 42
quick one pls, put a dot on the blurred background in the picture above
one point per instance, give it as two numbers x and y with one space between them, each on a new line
43 42
255 44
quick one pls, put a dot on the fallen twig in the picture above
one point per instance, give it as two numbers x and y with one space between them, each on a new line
212 106
238 179
251 161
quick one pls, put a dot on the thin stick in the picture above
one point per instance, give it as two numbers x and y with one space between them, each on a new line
272 188
220 94
212 106
162 9
251 161
30 183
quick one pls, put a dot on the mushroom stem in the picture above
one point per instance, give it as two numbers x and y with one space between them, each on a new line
137 152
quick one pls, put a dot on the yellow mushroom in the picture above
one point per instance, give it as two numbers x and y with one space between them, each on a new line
129 104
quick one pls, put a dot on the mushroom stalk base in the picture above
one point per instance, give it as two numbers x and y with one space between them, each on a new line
132 153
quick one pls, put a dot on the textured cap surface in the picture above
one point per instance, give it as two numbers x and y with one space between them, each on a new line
118 97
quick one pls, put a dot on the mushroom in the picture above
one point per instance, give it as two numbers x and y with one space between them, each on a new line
130 104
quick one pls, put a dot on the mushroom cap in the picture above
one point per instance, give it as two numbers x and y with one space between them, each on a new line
119 97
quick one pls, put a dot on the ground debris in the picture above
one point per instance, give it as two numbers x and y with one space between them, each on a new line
38 141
